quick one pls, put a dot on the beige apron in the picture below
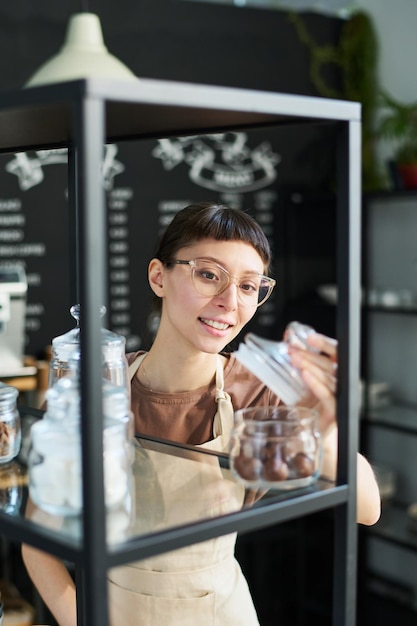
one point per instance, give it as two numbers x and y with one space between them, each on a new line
201 584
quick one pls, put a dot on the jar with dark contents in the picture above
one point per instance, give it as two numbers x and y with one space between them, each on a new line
10 429
276 447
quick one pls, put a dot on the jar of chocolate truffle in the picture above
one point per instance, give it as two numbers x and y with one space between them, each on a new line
10 429
276 447
270 361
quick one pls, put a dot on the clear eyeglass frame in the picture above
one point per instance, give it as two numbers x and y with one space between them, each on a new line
211 279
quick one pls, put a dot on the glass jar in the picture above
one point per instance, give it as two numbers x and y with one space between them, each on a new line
10 428
12 482
116 405
55 466
54 461
66 351
270 361
276 447
63 401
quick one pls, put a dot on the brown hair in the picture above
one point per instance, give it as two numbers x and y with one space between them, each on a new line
206 220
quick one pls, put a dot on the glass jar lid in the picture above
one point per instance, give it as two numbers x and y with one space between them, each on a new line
65 345
269 361
8 394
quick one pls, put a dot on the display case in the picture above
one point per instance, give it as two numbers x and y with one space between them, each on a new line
83 116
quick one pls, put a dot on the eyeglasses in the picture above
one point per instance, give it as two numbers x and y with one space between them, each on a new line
210 279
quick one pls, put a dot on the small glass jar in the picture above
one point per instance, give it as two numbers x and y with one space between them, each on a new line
10 427
276 447
270 361
12 482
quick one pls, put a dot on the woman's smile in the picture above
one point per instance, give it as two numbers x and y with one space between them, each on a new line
217 325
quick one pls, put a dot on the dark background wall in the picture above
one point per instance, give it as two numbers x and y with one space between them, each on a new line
172 40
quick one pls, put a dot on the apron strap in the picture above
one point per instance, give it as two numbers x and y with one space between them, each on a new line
224 418
134 366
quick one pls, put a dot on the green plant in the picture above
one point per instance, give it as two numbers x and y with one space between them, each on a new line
359 53
356 56
398 123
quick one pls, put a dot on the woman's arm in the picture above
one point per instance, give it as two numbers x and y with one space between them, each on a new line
368 501
55 585
53 581
319 371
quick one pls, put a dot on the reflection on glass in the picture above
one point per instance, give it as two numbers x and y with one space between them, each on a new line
200 583
170 486
12 481
166 490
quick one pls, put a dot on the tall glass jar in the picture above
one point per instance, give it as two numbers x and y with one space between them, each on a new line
55 464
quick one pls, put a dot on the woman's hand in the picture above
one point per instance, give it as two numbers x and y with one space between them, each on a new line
319 371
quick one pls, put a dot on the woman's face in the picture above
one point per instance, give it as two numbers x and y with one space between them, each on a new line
204 323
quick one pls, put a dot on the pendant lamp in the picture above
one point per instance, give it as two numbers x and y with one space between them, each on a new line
83 55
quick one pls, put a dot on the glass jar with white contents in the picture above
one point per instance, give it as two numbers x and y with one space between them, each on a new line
55 463
55 466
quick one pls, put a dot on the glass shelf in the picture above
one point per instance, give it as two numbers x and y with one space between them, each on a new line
399 417
391 310
177 491
396 526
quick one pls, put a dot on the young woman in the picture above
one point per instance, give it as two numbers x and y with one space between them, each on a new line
210 274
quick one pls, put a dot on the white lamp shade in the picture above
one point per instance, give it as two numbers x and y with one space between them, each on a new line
83 55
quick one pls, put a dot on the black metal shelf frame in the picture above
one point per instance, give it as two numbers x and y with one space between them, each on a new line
83 116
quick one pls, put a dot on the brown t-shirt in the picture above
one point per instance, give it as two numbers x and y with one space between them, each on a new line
188 416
